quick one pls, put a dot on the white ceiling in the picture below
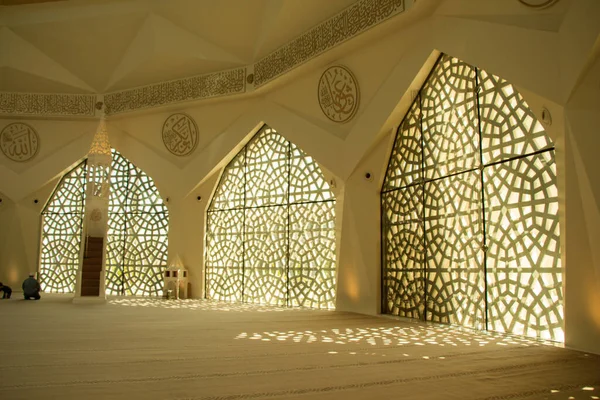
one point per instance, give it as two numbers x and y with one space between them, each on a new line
80 46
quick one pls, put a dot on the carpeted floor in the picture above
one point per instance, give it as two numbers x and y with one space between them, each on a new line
155 349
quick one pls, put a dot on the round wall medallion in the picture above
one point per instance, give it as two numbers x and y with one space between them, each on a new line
338 94
19 141
538 3
96 215
180 134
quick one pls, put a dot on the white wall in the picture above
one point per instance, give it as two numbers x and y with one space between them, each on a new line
551 55
582 207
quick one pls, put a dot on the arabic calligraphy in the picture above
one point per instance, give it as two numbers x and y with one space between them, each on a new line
47 104
180 134
19 141
338 94
194 88
351 22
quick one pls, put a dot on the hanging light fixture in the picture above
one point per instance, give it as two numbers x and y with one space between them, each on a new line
98 182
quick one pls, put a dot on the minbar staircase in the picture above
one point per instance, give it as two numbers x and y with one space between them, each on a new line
92 266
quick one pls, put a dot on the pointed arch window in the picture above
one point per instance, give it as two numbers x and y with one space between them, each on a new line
137 232
470 229
270 228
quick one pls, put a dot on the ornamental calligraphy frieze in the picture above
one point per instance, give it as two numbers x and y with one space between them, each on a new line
339 94
180 134
19 142
355 19
194 88
47 104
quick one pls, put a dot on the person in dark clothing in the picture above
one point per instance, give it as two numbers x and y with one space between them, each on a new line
31 288
6 291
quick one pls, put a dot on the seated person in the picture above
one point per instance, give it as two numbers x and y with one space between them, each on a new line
31 288
6 291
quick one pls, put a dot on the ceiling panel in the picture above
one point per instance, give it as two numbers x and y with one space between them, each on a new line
126 43
294 18
12 80
90 48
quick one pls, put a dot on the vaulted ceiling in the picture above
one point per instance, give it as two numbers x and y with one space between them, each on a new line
89 46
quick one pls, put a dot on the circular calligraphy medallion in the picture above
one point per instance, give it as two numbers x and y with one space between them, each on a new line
19 141
180 134
538 3
96 215
338 94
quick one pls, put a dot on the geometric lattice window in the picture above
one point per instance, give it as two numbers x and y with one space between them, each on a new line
270 228
470 230
137 232
62 221
138 227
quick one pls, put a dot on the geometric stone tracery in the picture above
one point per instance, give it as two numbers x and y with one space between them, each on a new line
137 238
270 228
137 232
470 230
62 222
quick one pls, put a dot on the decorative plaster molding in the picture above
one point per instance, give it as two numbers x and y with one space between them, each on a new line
47 104
194 88
354 20
100 143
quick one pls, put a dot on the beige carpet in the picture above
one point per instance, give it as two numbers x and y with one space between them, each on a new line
154 349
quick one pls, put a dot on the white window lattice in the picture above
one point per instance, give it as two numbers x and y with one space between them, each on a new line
137 232
470 228
270 231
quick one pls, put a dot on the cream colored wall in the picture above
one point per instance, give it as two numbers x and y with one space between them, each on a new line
550 55
582 198
187 223
359 270
19 235
62 145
